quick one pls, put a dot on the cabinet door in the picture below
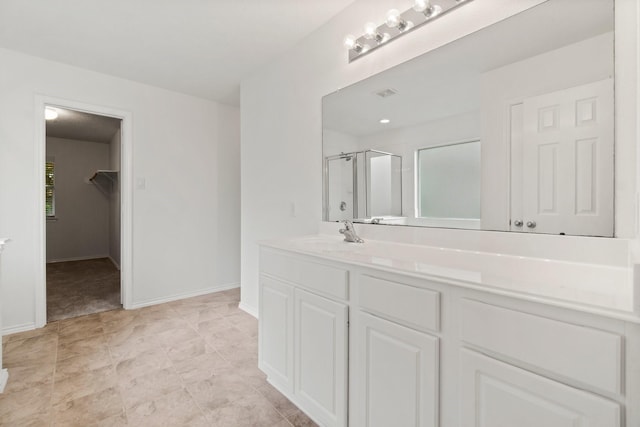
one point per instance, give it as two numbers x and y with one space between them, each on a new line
275 343
321 358
496 394
397 375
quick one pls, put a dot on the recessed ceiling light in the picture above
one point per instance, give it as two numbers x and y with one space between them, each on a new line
385 121
50 113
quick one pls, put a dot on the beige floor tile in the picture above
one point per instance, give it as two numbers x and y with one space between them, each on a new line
277 399
300 419
82 364
201 367
173 409
173 364
49 329
33 402
248 411
90 409
149 386
220 390
83 384
171 337
131 347
183 350
80 327
115 421
36 351
23 377
142 364
81 347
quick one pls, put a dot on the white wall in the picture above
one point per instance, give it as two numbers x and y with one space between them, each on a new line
281 116
185 227
114 199
81 227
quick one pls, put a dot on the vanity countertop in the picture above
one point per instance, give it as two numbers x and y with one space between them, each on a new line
599 289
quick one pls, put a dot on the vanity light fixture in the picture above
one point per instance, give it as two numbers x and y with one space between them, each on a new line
397 24
50 113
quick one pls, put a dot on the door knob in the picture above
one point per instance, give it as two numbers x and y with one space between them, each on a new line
517 223
531 224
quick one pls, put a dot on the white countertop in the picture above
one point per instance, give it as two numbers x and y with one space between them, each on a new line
600 289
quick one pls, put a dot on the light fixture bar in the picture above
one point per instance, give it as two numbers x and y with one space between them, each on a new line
397 24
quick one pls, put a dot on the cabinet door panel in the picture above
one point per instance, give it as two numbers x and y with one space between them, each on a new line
321 358
495 394
276 332
397 375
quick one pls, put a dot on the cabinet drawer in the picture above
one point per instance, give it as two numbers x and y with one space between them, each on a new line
414 307
589 356
321 278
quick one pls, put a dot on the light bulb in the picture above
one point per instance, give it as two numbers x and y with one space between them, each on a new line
393 18
425 7
370 31
349 41
50 113
421 5
385 121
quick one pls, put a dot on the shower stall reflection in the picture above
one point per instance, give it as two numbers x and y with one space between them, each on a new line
362 186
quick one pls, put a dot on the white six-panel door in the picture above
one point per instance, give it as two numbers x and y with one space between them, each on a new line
567 161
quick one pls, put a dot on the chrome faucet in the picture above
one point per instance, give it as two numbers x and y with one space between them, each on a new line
350 232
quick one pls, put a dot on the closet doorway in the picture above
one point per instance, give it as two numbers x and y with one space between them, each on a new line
82 205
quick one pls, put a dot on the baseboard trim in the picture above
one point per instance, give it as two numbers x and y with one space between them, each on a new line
115 264
79 258
249 309
4 377
176 297
8 330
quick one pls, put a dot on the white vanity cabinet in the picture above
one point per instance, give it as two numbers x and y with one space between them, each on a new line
395 361
495 394
395 373
427 351
303 334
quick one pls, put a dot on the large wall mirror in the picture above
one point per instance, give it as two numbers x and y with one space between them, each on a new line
510 128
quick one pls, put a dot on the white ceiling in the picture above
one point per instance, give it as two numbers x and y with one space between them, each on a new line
198 47
72 124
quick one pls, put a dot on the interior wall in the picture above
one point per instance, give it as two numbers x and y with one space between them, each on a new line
114 200
282 123
185 175
80 227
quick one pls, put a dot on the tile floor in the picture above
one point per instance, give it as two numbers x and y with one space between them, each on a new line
77 288
191 362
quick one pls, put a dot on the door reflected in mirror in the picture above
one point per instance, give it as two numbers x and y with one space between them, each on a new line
531 97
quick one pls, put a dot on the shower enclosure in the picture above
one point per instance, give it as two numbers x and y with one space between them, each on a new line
362 185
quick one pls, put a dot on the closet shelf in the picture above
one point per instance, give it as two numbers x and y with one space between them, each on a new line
105 180
111 175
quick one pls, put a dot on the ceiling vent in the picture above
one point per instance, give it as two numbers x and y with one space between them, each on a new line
386 93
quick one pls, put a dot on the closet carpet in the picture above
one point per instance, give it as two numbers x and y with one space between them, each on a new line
77 288
191 362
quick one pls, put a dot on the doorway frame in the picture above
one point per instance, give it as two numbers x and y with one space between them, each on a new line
126 198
